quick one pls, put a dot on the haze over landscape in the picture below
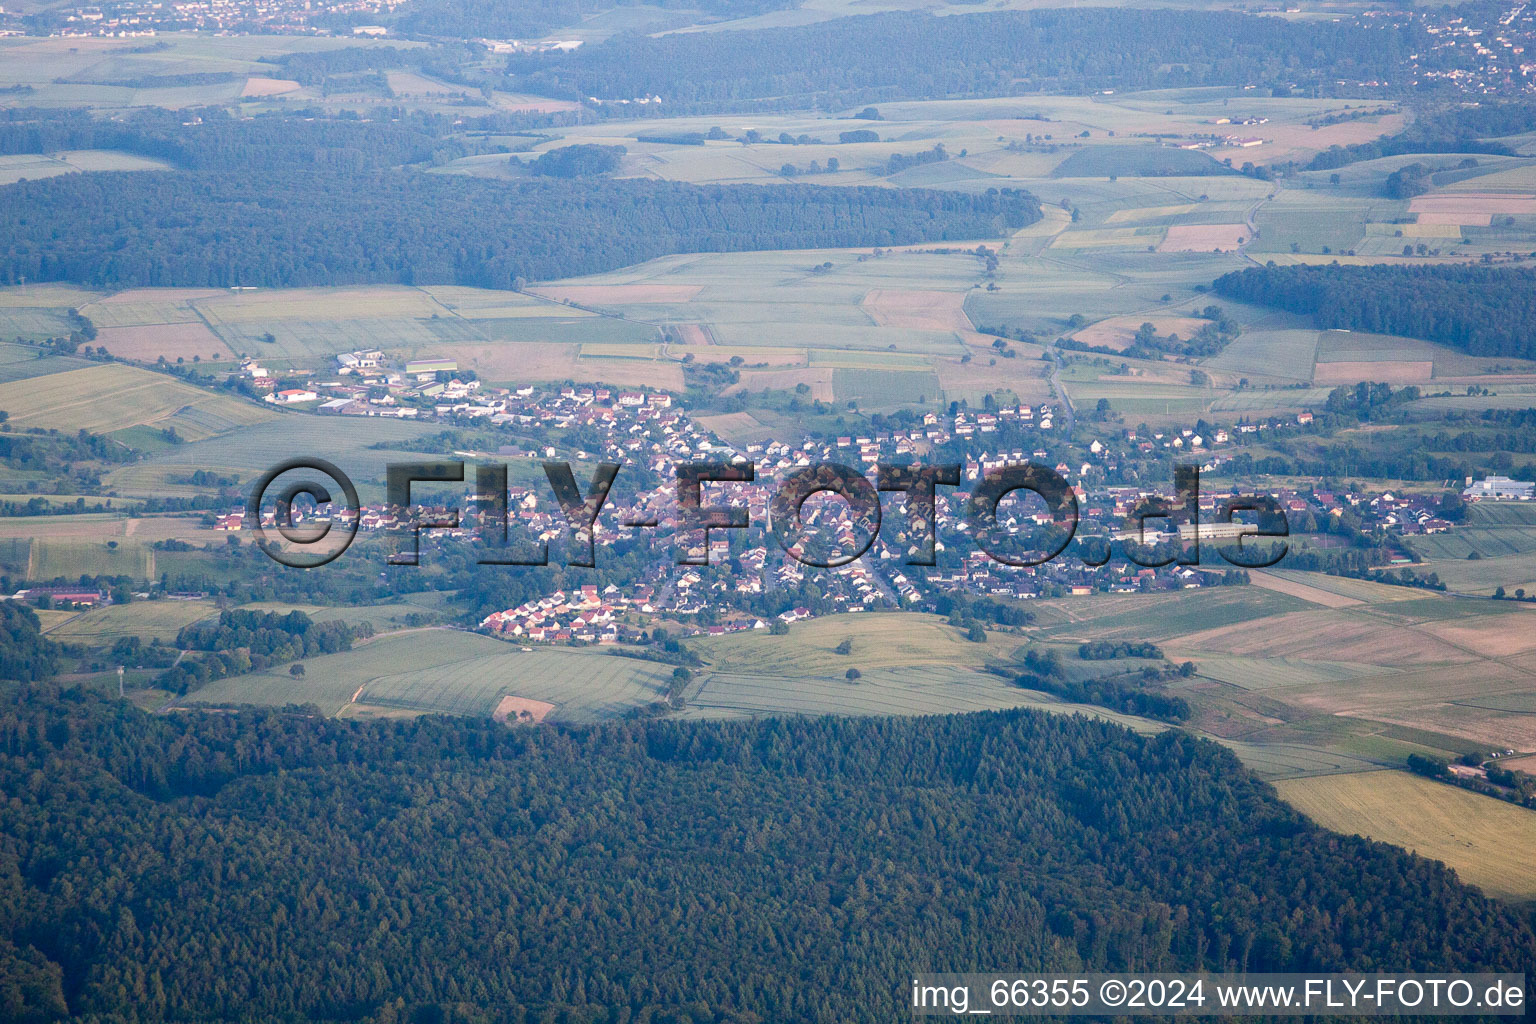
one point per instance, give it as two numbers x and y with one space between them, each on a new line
819 492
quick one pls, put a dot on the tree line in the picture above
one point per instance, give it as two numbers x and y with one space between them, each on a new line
1486 311
1470 129
249 641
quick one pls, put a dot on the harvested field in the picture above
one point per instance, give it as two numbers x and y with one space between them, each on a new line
1454 220
1423 229
1204 237
554 362
1362 590
1107 238
1290 141
740 428
1150 213
1471 204
619 294
1391 371
109 397
173 341
1492 636
1487 841
319 304
256 88
817 378
1022 376
173 295
535 104
1330 635
691 334
632 373
511 362
1295 588
521 709
45 295
752 355
409 83
1117 332
923 310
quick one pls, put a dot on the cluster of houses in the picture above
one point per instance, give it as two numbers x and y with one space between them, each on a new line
648 431
367 385
133 18
585 615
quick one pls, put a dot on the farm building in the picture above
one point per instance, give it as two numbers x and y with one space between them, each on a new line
1498 488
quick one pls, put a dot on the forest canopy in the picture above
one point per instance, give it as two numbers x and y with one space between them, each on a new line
239 228
1486 311
849 60
262 865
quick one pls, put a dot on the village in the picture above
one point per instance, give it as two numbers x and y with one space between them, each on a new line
742 579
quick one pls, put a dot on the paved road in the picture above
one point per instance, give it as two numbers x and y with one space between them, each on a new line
1069 414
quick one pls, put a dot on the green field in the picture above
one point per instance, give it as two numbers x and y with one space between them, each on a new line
382 617
1159 616
583 685
880 641
1481 576
1103 161
32 323
147 619
451 672
347 441
917 690
20 362
32 166
885 388
107 397
1487 542
1283 356
62 558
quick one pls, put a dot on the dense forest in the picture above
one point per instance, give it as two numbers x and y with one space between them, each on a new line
580 161
245 228
849 60
265 866
1487 311
215 141
24 652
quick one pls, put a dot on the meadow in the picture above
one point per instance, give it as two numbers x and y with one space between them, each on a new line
147 619
913 690
69 559
450 672
30 167
879 641
103 398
